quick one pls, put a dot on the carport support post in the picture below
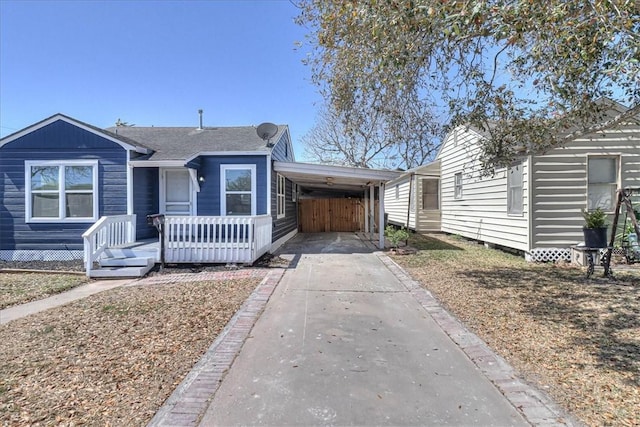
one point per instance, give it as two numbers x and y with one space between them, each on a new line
372 205
366 212
381 215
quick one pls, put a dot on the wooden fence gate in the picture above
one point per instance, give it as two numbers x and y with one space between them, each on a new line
324 215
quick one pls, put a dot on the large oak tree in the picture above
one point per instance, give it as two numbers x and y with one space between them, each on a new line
529 73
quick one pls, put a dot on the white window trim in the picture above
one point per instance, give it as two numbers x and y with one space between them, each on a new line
457 188
223 190
294 192
281 184
162 197
618 163
510 186
61 206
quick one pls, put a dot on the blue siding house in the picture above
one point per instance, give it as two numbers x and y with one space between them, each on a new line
60 178
126 197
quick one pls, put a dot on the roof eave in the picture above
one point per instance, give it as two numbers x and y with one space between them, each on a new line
107 135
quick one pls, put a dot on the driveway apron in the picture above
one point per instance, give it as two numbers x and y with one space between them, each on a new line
343 342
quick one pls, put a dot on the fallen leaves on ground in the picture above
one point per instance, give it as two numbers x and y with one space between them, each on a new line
577 338
112 358
19 288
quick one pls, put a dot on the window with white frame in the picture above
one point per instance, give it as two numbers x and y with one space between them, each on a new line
61 191
238 190
294 192
430 194
280 199
515 204
602 182
397 191
457 185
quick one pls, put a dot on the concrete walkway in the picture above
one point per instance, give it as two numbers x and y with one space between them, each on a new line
82 291
347 338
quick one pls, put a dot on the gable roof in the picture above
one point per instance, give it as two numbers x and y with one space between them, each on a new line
610 111
124 142
186 143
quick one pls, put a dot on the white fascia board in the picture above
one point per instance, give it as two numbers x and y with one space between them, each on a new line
402 178
64 118
226 153
129 185
336 171
194 180
157 163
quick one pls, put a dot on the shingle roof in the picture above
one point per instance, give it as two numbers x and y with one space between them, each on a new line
180 143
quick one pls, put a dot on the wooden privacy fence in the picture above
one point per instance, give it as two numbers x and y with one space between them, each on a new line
323 215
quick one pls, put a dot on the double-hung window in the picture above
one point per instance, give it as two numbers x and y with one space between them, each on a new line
457 185
238 189
61 191
515 204
281 196
602 182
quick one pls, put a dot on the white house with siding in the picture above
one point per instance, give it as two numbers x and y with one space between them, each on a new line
413 200
535 206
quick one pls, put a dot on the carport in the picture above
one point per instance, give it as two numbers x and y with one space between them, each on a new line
342 182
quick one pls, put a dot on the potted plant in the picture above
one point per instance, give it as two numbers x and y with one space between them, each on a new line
595 228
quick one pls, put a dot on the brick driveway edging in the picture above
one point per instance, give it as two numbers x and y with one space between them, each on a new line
536 407
190 399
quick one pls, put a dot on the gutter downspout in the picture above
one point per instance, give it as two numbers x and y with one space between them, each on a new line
381 215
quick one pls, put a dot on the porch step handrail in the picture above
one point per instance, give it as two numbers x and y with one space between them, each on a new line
108 232
231 239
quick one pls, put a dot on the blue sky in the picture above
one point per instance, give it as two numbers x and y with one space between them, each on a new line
155 63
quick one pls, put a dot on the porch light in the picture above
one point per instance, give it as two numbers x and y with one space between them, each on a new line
201 178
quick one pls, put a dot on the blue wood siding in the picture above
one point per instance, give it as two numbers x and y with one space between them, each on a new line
145 200
57 141
209 195
282 151
289 222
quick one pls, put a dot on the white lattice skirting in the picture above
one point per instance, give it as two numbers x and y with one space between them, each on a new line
549 255
35 255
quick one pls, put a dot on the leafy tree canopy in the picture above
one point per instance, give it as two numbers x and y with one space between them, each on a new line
527 72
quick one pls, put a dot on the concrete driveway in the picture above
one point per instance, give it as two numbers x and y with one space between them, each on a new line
343 341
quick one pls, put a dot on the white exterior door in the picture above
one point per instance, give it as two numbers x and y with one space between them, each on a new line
176 192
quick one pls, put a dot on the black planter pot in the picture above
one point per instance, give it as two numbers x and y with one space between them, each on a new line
595 237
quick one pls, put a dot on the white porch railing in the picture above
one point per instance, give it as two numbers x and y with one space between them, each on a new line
216 238
108 232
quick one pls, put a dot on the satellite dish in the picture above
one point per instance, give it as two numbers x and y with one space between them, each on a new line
266 131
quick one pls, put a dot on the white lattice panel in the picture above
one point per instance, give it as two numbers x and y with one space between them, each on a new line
550 254
33 255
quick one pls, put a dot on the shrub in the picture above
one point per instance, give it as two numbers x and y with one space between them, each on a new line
396 235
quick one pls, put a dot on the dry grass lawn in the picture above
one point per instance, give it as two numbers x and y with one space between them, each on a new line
577 339
112 358
19 288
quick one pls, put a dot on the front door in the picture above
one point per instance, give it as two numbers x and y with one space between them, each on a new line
176 192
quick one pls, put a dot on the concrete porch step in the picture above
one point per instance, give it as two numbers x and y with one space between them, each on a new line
120 272
137 261
132 253
123 266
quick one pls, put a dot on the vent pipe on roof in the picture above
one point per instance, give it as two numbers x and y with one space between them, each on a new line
200 113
